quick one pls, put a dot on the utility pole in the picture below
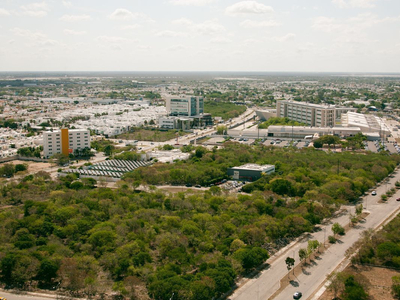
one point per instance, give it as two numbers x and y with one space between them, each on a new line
294 264
292 134
338 164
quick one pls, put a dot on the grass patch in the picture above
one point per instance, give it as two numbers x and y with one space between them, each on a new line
226 110
151 135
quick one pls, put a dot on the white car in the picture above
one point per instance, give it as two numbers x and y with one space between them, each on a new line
373 193
297 295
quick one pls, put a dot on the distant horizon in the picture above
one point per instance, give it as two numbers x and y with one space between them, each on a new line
206 72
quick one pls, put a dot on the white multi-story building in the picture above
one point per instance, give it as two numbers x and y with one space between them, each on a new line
307 113
186 106
65 141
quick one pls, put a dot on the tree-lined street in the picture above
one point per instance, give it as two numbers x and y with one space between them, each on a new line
264 286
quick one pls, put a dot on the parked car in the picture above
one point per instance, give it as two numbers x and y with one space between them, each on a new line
297 295
373 193
398 199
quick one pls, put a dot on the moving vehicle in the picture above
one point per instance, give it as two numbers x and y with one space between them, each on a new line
297 295
373 193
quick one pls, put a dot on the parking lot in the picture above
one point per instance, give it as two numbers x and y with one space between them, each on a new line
377 146
283 144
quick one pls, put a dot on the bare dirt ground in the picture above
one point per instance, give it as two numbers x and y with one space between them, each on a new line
33 167
377 281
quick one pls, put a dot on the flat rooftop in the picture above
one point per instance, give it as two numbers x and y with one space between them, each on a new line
324 106
254 167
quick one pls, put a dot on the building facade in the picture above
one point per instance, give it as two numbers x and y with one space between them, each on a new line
307 113
300 132
250 172
185 123
187 106
65 141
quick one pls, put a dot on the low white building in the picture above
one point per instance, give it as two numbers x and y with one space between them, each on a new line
368 123
167 122
300 132
167 156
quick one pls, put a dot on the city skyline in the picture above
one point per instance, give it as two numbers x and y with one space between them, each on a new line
200 35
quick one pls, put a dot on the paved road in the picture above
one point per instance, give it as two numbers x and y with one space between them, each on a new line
10 296
268 282
198 133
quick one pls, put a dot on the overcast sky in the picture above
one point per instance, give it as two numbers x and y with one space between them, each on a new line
200 35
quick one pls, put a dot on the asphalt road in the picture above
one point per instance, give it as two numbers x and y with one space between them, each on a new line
313 276
10 296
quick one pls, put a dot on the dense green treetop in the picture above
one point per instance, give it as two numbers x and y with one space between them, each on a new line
192 244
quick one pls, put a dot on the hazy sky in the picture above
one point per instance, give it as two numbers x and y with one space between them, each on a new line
200 35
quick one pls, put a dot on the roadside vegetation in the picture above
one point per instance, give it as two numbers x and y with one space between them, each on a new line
376 249
381 248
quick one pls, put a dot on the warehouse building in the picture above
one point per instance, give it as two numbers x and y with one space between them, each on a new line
250 172
301 132
368 123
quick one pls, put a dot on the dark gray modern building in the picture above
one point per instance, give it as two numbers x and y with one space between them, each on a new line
250 172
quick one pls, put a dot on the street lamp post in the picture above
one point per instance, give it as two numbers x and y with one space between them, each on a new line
292 134
293 261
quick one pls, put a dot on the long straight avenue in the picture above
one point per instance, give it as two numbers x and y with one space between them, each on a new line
268 281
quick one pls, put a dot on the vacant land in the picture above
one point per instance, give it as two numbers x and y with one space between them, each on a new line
377 281
226 110
150 135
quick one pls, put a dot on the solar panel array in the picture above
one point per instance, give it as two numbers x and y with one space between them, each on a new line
111 168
